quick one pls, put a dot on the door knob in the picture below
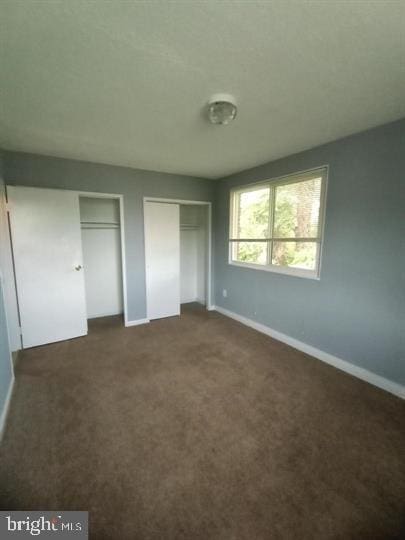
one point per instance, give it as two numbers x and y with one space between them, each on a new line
78 267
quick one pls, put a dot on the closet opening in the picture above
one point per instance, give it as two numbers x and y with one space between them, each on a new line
100 222
177 255
193 254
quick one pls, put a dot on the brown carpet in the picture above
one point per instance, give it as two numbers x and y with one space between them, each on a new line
200 428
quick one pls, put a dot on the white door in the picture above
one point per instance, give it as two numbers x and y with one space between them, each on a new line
162 258
102 271
45 230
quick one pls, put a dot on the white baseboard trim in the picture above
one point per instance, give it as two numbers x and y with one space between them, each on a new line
137 322
356 371
6 408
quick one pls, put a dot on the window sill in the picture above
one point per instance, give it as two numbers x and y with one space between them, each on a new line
290 272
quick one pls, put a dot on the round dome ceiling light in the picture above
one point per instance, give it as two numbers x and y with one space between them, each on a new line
221 109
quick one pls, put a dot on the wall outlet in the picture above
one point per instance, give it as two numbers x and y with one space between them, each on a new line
224 293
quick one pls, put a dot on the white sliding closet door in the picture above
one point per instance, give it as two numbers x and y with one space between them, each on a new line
45 229
162 257
102 271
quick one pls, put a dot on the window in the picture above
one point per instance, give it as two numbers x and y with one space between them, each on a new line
277 225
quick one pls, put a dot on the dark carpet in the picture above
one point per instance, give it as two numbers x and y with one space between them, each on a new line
200 428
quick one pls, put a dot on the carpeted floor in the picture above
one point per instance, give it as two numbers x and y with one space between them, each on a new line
200 428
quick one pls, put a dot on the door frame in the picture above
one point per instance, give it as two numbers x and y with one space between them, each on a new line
208 267
120 198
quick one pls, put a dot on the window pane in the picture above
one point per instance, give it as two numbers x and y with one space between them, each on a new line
252 214
297 209
250 252
295 254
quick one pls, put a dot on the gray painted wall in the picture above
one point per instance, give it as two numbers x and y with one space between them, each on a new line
356 310
6 373
40 171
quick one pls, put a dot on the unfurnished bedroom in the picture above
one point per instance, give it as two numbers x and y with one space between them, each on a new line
202 309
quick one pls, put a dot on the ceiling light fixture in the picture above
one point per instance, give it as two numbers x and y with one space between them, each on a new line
221 109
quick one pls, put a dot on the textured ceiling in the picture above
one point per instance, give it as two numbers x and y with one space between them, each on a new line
126 82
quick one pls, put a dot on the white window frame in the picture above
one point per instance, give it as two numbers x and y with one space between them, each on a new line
272 183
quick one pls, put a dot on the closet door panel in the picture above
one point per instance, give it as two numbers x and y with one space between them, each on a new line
188 266
102 271
162 258
45 231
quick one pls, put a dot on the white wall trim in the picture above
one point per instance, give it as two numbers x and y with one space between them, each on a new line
9 289
136 322
356 371
7 401
6 408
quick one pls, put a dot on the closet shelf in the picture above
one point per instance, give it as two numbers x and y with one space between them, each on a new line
102 227
99 225
186 226
99 222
